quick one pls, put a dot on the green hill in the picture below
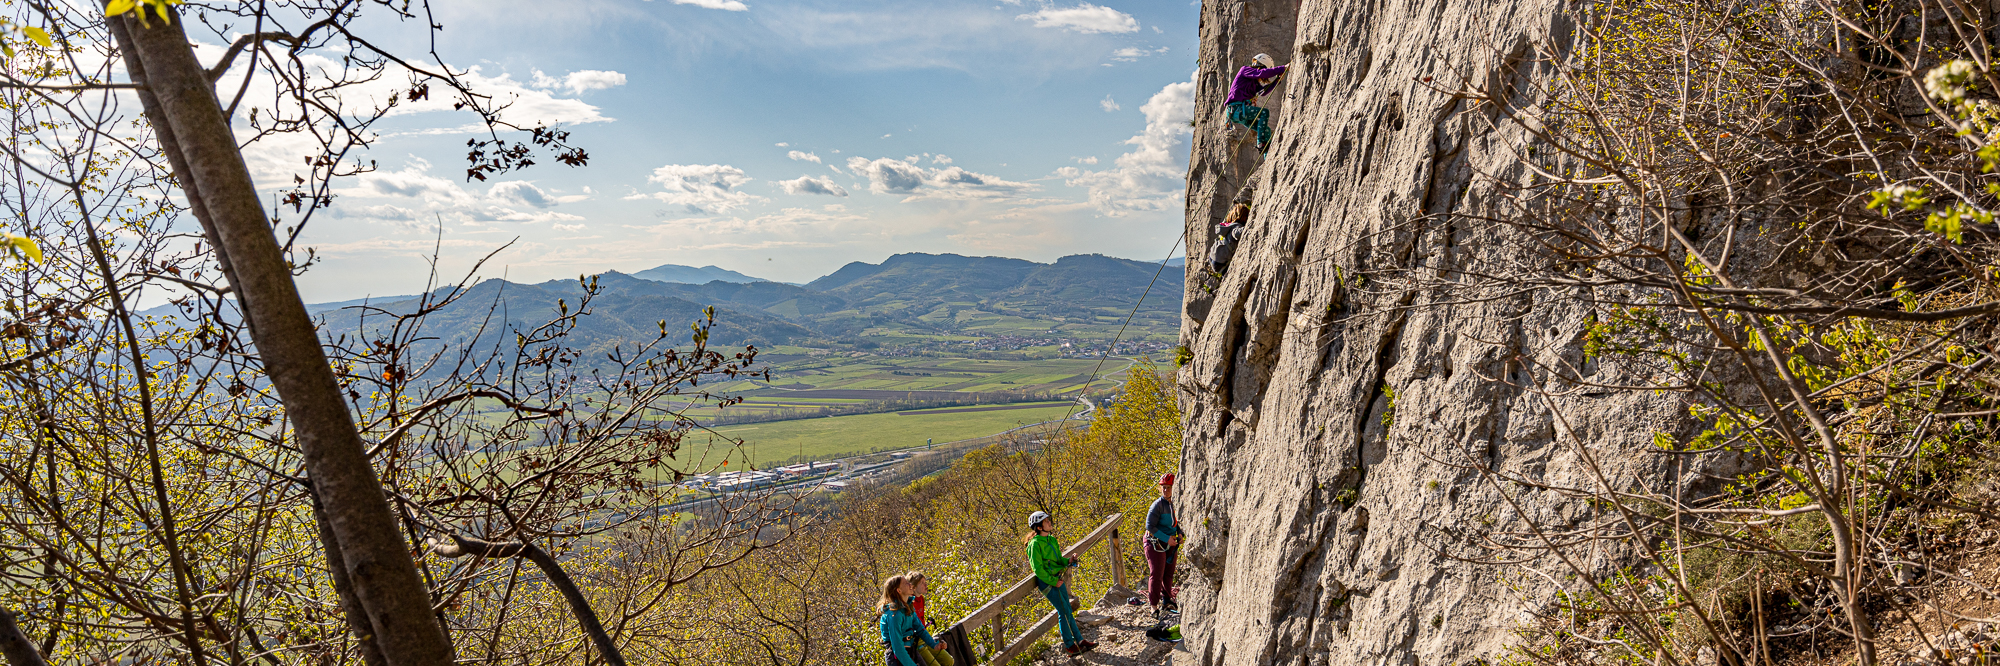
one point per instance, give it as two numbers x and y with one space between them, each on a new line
863 306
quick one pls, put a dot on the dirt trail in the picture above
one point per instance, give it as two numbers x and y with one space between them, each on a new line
1121 637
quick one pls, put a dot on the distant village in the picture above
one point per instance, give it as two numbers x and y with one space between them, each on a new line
832 475
1064 347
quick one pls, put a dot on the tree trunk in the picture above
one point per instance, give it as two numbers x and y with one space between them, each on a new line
19 650
357 514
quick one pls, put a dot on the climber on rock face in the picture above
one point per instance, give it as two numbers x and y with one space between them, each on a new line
1255 79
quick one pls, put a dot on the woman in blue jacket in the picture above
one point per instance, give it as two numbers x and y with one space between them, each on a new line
899 624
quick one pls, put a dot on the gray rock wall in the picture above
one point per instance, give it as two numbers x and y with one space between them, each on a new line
1318 508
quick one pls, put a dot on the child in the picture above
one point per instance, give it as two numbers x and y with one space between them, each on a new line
919 587
1046 558
900 626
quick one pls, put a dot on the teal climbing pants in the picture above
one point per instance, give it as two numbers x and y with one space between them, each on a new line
1058 597
1257 118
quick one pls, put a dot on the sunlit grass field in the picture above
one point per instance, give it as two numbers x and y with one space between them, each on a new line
832 437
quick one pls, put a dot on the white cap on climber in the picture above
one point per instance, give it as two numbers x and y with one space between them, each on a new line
1264 60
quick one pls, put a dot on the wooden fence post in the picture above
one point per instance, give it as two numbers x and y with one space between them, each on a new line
1117 562
999 636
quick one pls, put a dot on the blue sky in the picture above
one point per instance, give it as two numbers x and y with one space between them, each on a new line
778 138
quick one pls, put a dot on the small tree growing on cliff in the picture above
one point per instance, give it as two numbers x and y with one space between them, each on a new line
1781 212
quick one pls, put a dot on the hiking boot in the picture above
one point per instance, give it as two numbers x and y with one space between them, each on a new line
1085 646
1071 650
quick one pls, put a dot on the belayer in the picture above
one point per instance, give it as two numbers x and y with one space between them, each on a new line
1251 82
1163 545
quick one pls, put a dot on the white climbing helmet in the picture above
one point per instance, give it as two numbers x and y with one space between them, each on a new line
1264 60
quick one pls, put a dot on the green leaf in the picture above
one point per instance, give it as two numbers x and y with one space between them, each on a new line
39 35
117 7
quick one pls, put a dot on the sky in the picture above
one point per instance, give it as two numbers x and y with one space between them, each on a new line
778 138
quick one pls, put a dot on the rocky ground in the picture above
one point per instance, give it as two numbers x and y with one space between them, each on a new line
1120 632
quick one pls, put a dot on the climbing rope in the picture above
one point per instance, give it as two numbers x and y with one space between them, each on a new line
1101 358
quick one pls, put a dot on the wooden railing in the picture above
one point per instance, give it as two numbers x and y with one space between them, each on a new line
1004 649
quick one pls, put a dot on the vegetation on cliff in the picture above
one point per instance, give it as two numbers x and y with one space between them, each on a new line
1781 213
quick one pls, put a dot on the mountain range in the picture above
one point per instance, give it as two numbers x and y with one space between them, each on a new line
860 305
692 275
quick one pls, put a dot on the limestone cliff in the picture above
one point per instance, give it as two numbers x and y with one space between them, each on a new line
1328 412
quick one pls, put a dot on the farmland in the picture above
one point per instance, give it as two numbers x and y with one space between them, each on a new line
833 437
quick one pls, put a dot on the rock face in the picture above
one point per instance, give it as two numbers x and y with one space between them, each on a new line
1330 414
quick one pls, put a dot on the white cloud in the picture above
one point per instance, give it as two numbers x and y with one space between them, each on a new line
1085 160
1084 18
409 182
1153 175
803 156
274 159
528 104
725 5
521 192
421 199
1131 53
811 185
381 212
783 144
578 82
885 136
702 188
566 227
1108 104
892 176
940 159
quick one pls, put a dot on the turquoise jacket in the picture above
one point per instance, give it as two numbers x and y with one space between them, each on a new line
1160 521
1047 560
897 627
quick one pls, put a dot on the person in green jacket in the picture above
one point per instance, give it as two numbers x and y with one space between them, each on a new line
900 627
1046 558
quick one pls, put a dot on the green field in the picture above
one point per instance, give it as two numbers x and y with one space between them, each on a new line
797 371
832 437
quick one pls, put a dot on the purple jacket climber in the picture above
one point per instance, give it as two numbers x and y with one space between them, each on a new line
1242 106
1247 86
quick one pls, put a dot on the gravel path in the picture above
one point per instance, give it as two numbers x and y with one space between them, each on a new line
1121 638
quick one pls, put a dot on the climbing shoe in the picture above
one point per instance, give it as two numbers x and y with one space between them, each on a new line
1171 607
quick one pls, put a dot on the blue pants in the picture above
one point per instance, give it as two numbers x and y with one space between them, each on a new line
1058 596
1257 118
